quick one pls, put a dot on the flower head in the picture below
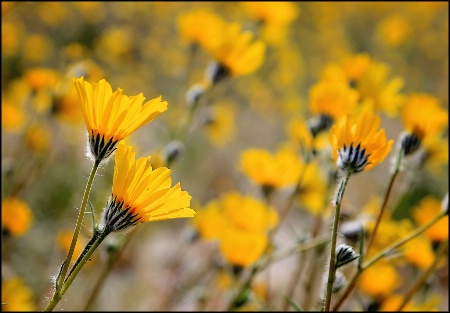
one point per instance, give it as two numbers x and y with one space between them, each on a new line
141 194
357 142
236 53
16 216
110 117
17 296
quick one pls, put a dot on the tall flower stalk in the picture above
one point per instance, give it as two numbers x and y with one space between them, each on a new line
357 144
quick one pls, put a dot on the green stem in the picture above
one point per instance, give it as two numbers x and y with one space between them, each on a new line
383 253
386 198
97 238
332 265
62 274
442 248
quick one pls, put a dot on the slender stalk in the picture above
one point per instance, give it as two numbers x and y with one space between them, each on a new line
332 265
386 198
62 274
442 249
383 253
83 258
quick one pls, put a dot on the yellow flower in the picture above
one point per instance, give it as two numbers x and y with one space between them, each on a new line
64 240
313 188
200 26
220 125
427 209
141 194
17 296
278 13
271 170
301 136
379 280
392 303
423 116
357 142
111 117
240 224
419 252
37 138
13 116
236 53
394 30
16 216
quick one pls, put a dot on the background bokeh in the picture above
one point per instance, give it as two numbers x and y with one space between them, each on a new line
137 46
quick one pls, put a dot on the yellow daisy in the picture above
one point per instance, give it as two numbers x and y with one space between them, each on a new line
111 117
426 210
141 194
357 142
17 296
422 118
277 13
235 54
16 216
271 171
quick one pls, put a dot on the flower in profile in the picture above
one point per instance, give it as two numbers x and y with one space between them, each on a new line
17 296
141 194
111 117
235 54
271 171
16 216
422 117
300 135
357 142
200 26
330 100
379 280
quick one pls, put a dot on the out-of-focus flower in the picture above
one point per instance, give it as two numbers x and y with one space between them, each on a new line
355 66
200 26
111 117
220 125
393 302
17 296
64 239
425 211
379 280
16 216
278 13
236 53
394 30
37 137
312 193
357 142
13 116
52 13
271 171
37 48
240 224
378 92
419 252
423 116
141 194
12 31
115 43
41 78
329 101
301 136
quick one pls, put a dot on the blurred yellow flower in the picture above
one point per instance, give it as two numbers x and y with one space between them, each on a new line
355 66
428 208
37 137
236 52
240 224
423 116
379 280
332 98
52 13
16 216
220 126
394 30
278 13
393 302
17 296
357 142
312 194
419 252
200 26
64 239
111 117
12 32
269 170
141 194
37 48
41 78
301 136
13 116
378 92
